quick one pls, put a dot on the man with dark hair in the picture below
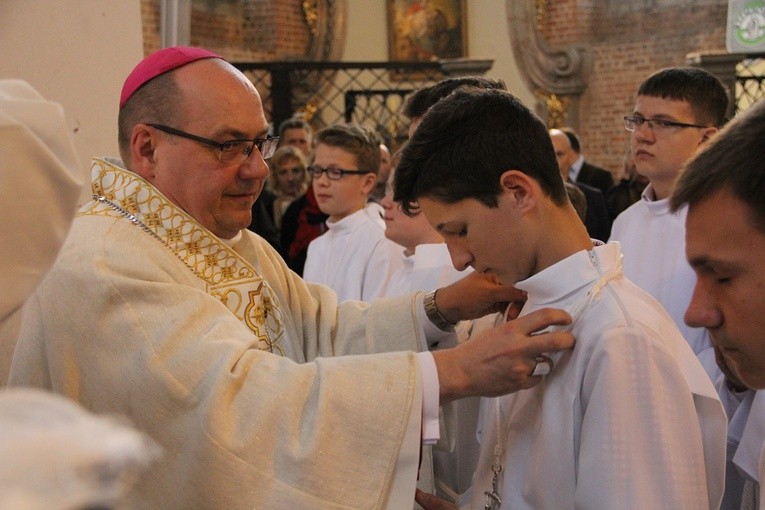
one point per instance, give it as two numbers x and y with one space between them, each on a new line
418 103
162 307
677 110
723 189
628 419
596 218
582 172
298 133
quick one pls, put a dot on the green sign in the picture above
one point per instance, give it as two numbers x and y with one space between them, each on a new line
746 26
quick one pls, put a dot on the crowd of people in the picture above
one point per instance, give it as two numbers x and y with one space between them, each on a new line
483 319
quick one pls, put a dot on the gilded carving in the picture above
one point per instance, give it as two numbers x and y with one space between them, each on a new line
311 15
555 108
559 71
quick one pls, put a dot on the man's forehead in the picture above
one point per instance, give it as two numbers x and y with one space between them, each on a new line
661 106
441 210
296 132
712 225
218 92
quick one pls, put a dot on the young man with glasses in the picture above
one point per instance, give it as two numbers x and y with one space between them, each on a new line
353 257
677 110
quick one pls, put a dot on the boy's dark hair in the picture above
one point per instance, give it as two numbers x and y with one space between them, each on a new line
356 140
702 90
466 142
418 103
732 161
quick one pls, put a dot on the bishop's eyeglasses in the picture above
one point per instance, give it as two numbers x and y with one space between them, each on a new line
658 126
229 151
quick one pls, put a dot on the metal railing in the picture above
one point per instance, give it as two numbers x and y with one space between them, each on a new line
750 82
742 74
367 93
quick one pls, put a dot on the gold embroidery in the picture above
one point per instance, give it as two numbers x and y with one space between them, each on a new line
174 235
130 204
193 247
210 259
226 274
153 219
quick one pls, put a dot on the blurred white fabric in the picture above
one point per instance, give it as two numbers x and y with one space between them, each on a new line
57 456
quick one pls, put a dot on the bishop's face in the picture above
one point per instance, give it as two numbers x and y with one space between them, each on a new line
726 251
225 106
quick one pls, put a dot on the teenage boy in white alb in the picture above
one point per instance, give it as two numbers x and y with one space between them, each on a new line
353 257
628 419
677 110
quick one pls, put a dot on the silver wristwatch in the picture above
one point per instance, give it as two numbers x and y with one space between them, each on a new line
434 314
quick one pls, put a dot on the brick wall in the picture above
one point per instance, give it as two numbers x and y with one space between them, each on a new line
628 40
244 30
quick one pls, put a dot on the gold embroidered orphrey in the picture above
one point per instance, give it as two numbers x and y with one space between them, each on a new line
228 277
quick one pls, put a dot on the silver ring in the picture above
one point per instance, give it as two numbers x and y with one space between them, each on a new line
543 367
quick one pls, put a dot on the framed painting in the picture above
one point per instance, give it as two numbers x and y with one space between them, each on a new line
423 30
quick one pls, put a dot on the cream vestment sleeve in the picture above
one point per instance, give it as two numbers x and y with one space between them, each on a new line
124 324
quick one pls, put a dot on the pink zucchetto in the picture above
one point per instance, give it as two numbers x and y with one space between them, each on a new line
159 63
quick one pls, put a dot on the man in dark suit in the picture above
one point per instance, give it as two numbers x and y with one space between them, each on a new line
596 220
582 172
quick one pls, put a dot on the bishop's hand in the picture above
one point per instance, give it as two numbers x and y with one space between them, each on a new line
502 359
476 295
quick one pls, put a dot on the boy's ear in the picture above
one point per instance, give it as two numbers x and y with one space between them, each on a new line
368 183
520 189
709 133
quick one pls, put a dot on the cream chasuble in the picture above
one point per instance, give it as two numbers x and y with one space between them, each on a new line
254 382
626 420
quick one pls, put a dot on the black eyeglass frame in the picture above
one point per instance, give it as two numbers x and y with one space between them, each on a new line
223 146
333 174
639 121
